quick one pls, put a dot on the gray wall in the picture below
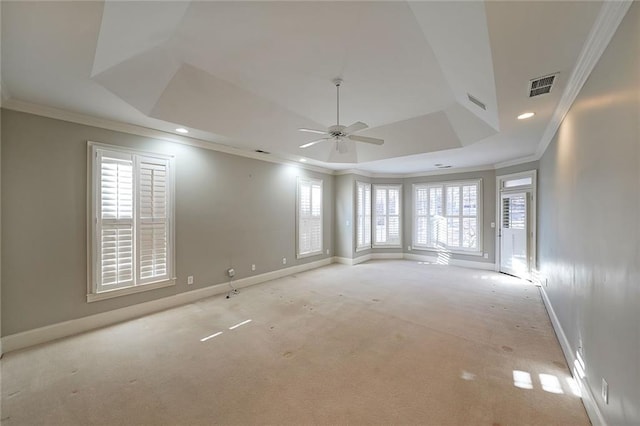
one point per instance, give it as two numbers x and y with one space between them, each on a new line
589 241
230 211
523 167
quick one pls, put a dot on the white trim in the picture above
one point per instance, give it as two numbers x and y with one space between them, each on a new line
374 216
593 411
134 129
436 250
487 266
352 172
80 325
343 260
605 26
311 181
516 162
532 190
380 256
94 297
356 217
363 173
93 180
478 182
450 171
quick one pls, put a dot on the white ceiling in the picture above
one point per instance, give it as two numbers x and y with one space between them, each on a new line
249 74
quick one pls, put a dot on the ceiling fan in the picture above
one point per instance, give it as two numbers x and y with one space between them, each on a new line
339 133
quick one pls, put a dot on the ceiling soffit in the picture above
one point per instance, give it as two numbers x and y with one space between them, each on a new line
256 71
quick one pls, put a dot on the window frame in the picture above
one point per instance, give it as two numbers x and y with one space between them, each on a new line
311 181
94 292
478 251
362 211
374 215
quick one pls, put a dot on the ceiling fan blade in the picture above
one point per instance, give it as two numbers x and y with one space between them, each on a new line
355 127
365 139
320 132
308 144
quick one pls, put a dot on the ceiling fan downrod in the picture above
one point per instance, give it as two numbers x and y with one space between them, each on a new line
337 82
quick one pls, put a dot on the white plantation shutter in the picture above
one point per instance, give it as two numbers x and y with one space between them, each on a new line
309 217
446 216
153 219
421 215
115 221
131 236
363 209
387 215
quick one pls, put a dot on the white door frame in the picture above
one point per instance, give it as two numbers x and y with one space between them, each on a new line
532 215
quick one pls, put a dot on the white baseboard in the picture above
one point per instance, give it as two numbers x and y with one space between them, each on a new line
588 398
453 262
367 257
376 256
408 256
343 260
68 328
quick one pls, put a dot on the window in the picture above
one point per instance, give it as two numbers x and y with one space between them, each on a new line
363 213
447 216
387 215
309 217
131 228
512 183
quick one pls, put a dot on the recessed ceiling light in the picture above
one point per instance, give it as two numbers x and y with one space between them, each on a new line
303 160
526 115
182 130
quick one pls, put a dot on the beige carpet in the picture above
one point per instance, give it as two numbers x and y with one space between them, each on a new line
392 342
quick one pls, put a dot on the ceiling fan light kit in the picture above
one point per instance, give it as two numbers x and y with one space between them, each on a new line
339 133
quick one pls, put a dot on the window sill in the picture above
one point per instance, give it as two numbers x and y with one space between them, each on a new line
387 246
443 250
359 249
315 253
94 297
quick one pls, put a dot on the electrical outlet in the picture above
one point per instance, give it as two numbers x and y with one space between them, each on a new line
253 267
327 252
605 391
493 224
190 279
408 248
284 260
486 255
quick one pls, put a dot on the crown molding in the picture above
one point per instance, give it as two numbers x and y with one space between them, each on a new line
517 161
604 27
450 171
134 129
353 172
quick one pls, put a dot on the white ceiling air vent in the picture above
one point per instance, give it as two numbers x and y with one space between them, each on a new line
476 101
541 85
